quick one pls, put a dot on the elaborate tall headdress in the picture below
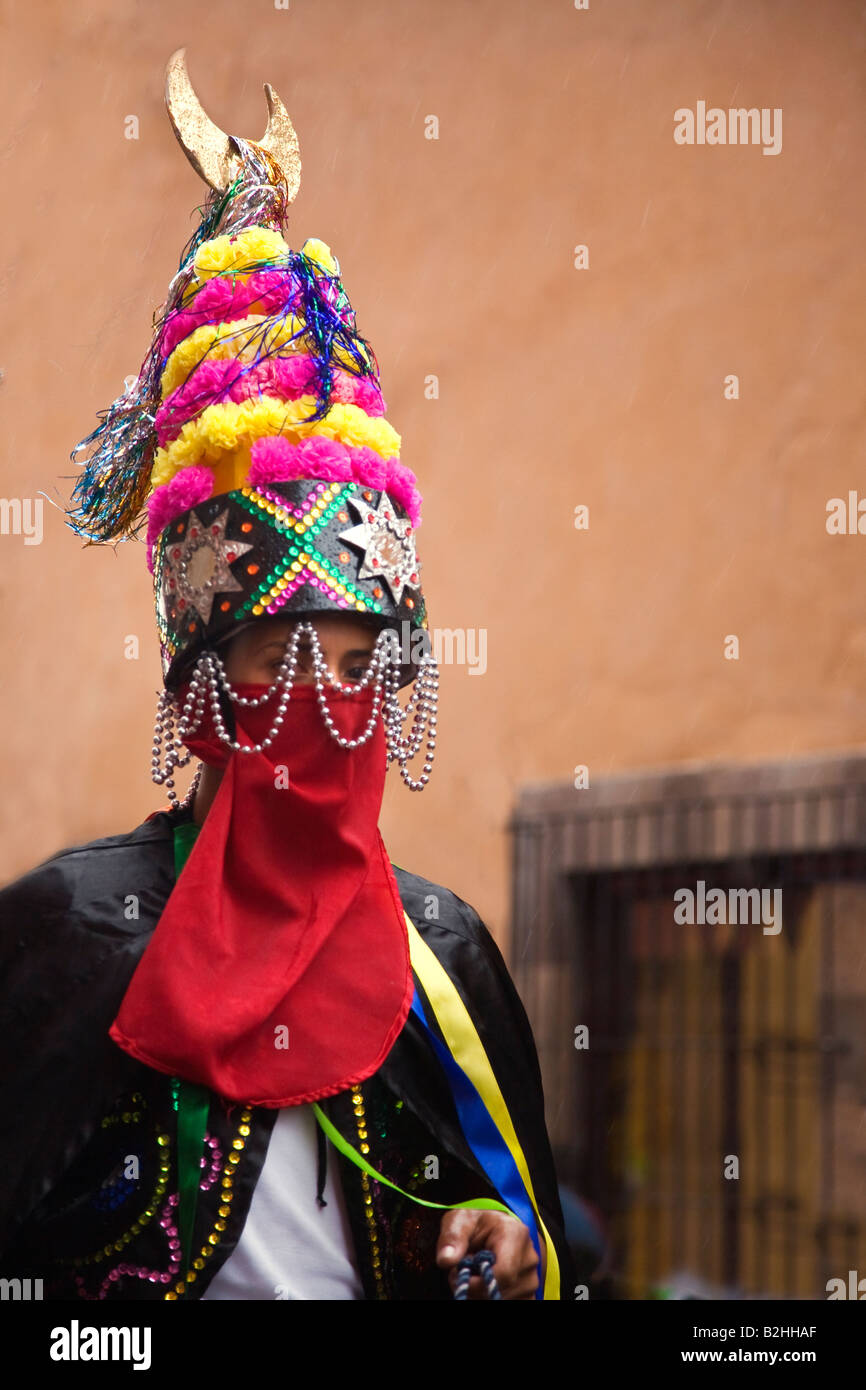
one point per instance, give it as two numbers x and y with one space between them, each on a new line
253 445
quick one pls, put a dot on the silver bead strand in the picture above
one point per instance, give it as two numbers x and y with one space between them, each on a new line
406 746
193 788
425 694
216 678
165 731
285 675
403 748
375 672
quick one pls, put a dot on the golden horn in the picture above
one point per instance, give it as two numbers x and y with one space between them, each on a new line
209 150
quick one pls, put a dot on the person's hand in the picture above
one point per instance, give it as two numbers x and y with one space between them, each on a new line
469 1229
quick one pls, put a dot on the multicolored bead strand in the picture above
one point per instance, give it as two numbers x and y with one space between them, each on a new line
369 1214
224 1209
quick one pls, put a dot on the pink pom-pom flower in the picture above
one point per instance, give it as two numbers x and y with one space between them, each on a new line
186 489
276 460
224 298
285 378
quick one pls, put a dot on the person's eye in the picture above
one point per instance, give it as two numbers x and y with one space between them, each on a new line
356 673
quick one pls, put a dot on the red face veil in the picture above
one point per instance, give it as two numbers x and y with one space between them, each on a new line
279 970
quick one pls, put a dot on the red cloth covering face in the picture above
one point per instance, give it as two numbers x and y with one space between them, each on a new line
285 925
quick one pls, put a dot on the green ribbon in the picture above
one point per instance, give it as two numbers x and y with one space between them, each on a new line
193 1104
345 1148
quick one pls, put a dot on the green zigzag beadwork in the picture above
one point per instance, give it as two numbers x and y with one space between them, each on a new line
250 500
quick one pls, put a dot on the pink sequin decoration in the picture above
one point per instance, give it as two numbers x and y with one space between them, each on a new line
216 1159
125 1270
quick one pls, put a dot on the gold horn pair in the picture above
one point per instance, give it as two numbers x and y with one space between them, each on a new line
209 150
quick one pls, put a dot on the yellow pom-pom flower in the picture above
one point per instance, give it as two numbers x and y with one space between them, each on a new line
316 250
221 253
240 338
223 428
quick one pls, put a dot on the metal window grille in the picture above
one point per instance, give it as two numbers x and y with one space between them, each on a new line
713 1049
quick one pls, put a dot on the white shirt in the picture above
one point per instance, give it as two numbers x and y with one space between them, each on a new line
290 1247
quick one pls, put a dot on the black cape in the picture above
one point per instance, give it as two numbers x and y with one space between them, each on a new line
71 934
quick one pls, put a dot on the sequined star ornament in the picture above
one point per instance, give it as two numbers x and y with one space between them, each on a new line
199 567
387 543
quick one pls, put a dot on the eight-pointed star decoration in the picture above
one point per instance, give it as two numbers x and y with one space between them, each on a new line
388 545
197 567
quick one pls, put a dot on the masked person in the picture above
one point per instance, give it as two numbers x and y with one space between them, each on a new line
248 1057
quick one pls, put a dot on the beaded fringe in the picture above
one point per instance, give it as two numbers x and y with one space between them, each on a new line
174 723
